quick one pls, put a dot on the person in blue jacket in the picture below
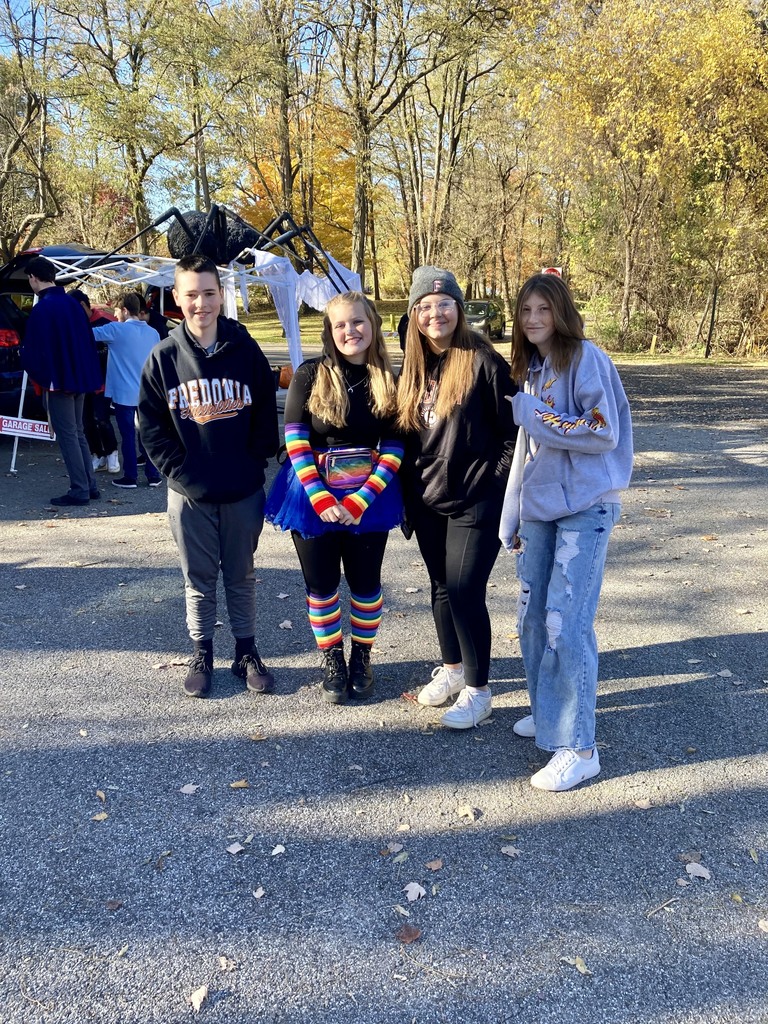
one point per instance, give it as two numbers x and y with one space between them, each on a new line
59 354
572 460
129 341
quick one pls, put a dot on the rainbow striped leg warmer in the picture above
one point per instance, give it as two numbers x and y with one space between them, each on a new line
365 617
325 619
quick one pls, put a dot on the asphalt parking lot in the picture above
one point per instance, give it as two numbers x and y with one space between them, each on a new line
640 897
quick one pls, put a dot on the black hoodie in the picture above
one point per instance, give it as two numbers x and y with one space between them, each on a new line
209 422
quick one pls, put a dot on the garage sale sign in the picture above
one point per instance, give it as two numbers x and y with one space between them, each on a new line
25 428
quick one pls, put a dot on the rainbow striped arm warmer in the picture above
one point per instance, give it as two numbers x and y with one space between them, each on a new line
305 468
390 457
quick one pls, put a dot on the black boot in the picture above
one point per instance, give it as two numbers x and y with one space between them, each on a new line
360 671
334 675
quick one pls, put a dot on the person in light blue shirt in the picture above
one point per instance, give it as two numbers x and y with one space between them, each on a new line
129 341
573 458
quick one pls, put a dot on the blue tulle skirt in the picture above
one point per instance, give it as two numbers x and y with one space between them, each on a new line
289 508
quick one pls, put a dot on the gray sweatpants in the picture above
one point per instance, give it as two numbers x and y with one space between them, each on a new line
65 415
212 537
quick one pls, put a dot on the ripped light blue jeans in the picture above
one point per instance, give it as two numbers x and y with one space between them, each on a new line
560 568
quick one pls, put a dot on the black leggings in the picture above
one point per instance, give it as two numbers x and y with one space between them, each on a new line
459 551
321 560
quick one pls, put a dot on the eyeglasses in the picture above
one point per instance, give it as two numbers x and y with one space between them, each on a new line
442 308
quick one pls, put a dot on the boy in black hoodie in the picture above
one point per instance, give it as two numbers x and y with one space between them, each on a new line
208 422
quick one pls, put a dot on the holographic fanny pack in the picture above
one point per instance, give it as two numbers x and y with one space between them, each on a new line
345 469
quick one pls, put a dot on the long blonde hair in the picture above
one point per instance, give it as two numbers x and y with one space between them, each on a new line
456 377
329 398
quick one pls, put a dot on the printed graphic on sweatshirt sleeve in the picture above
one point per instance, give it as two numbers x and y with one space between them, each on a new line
566 425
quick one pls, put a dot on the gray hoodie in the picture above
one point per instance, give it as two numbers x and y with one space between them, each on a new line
578 432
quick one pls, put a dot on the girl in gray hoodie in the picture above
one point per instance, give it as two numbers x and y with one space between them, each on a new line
573 457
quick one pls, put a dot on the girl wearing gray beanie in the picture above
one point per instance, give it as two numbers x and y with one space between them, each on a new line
454 405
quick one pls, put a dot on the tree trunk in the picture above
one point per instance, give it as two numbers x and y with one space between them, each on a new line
708 347
374 260
362 193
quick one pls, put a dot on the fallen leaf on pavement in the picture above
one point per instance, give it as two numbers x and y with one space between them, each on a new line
763 926
225 964
737 897
414 891
257 737
434 865
510 851
394 847
644 804
753 855
240 784
698 871
401 910
278 850
281 597
471 813
725 674
286 624
100 796
691 857
189 789
198 997
101 816
578 963
407 934
408 590
401 858
114 904
235 848
402 827
259 893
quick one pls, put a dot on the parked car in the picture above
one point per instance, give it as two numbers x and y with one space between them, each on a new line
485 316
16 299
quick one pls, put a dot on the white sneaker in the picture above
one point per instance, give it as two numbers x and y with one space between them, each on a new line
525 727
471 708
113 463
566 770
99 463
446 682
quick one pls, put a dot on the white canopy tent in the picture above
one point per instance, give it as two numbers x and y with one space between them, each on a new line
287 289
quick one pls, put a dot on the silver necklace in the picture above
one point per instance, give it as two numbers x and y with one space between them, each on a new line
351 387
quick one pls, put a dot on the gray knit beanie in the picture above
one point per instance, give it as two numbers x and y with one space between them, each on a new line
433 281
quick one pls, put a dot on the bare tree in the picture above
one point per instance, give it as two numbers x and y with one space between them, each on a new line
28 195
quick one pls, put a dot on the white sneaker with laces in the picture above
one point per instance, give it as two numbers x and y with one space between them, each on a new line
566 770
446 682
471 708
113 463
525 727
99 463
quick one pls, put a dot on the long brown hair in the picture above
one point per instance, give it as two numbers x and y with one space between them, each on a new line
456 376
569 325
329 398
